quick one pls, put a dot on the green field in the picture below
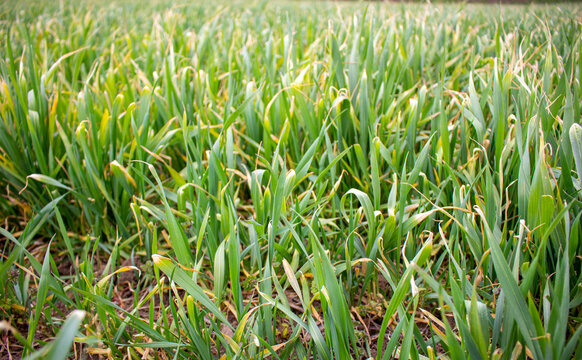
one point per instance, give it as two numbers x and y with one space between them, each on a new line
290 180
